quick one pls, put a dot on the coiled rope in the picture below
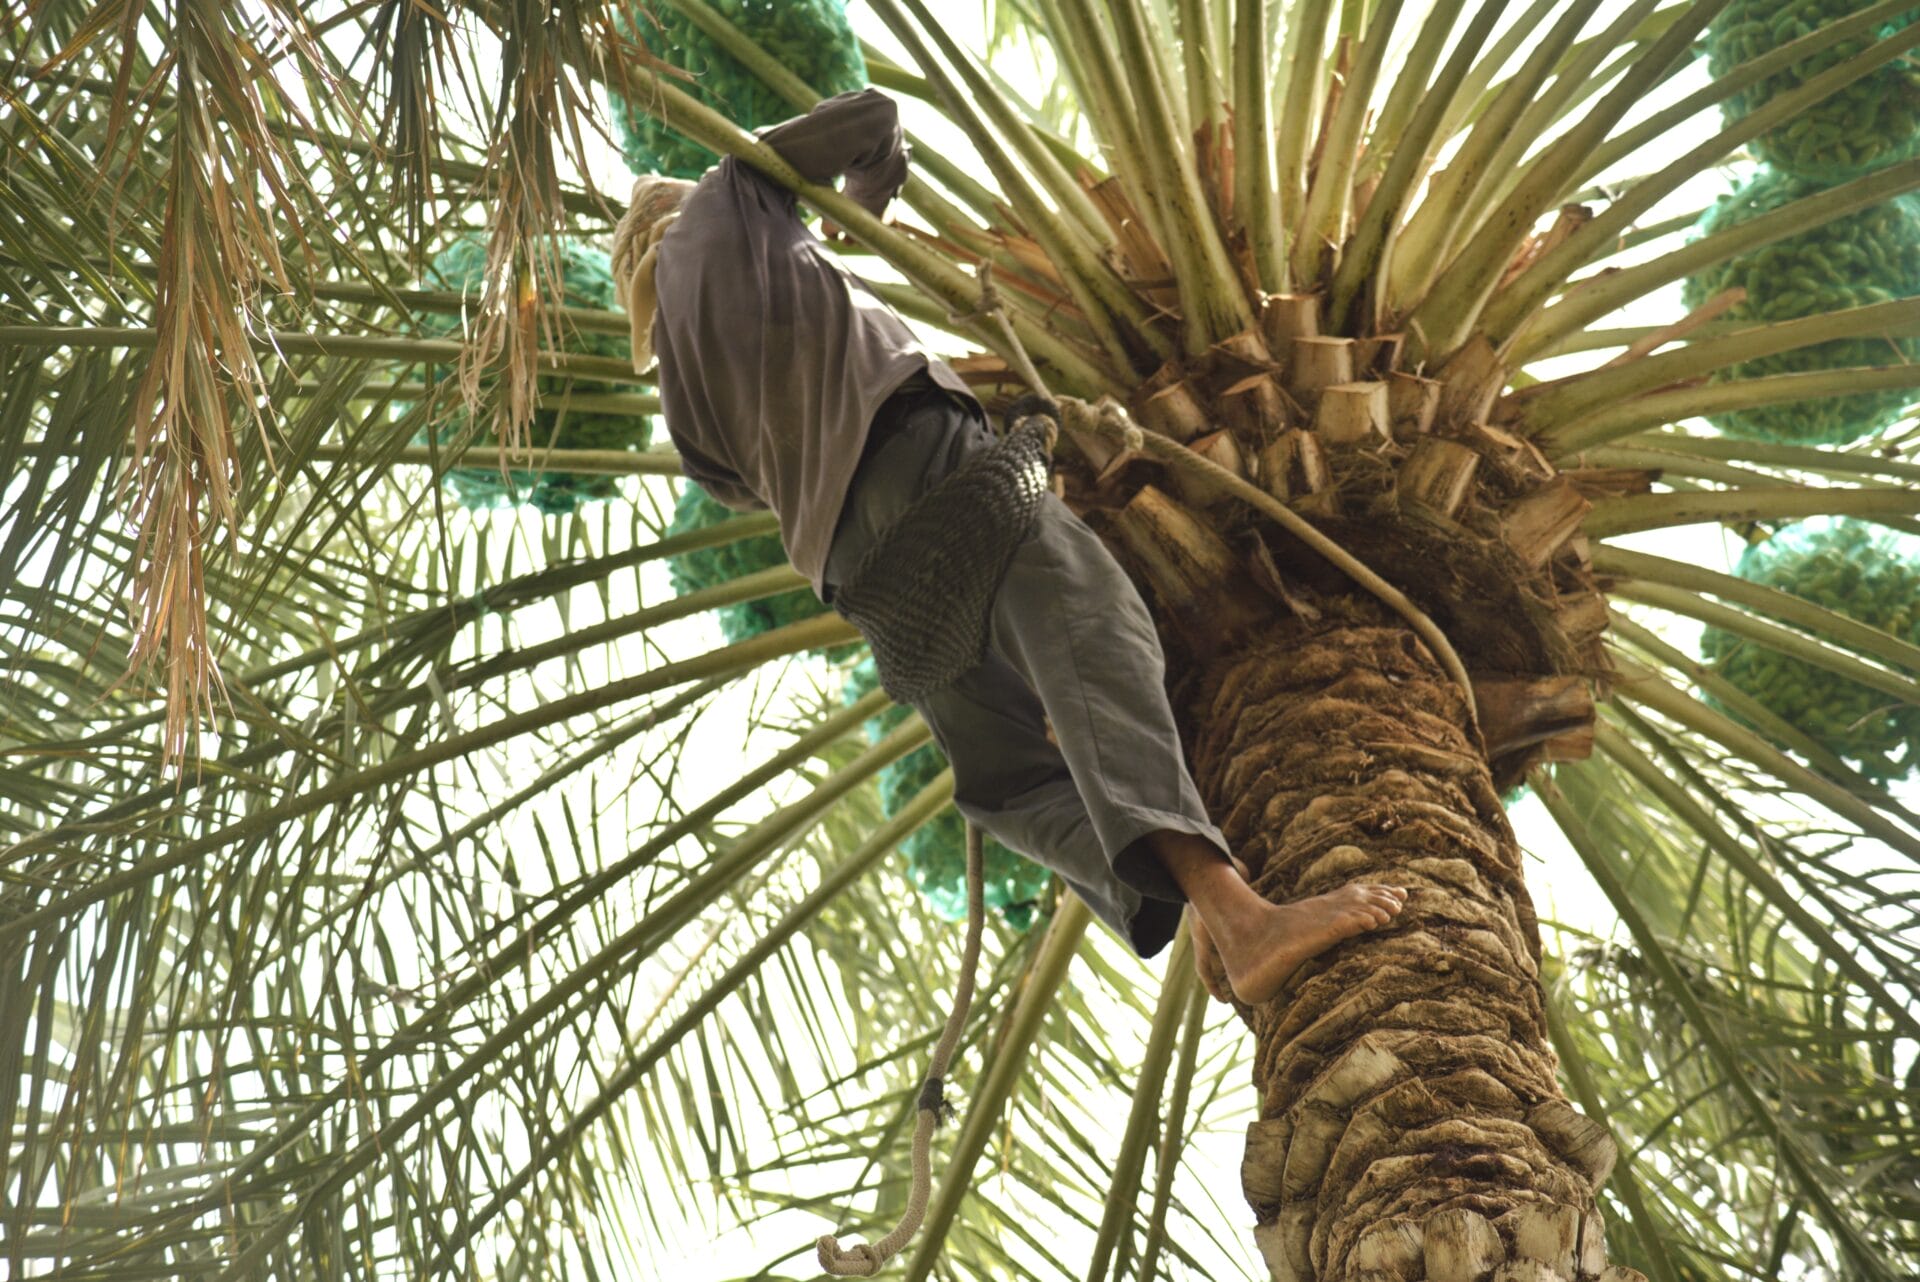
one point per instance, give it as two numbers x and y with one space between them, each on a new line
866 1259
1106 418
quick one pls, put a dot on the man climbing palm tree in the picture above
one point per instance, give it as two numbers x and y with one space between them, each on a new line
787 384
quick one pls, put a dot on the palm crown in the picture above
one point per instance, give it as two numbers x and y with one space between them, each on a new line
437 951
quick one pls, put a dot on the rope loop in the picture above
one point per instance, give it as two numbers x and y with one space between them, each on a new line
1108 418
846 1262
865 1260
989 298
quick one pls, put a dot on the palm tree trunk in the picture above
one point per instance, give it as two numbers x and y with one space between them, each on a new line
1410 1122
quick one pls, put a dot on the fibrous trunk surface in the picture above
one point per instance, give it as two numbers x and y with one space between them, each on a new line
1410 1122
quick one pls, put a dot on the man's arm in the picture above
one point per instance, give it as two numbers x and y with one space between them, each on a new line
857 134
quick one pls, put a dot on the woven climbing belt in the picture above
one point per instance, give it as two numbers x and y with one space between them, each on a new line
923 593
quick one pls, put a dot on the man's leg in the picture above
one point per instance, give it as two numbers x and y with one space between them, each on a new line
1070 621
1134 842
1011 782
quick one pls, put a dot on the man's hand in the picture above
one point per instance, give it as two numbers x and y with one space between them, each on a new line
1029 405
856 134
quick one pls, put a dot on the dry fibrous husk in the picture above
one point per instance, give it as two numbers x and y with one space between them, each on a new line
1412 1124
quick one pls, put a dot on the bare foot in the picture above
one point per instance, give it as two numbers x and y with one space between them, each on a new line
1266 949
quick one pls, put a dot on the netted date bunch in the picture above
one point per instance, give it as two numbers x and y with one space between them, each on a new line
710 567
936 853
1855 569
586 278
1871 256
1871 123
811 38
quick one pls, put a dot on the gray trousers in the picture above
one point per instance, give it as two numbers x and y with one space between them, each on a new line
1071 642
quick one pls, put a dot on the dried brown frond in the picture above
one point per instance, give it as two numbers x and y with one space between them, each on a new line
543 103
229 200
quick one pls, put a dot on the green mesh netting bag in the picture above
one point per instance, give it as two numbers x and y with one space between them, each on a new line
1871 256
937 853
811 38
708 567
1872 576
588 281
1874 121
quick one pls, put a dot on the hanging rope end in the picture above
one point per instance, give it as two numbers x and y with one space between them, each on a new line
867 1259
859 1262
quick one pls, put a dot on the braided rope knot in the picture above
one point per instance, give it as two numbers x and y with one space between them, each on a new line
843 1262
989 298
933 1099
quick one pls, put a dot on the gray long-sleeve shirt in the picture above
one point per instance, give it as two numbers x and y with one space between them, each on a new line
774 357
